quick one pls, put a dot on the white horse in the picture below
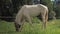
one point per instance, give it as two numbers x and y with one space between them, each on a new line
29 11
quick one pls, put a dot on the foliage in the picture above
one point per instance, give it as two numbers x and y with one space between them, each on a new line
10 8
6 8
50 6
57 10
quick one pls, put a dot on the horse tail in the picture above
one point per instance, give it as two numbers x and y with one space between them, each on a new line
46 16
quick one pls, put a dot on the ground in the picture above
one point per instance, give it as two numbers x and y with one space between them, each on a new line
53 27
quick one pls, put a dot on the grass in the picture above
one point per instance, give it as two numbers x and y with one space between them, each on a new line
53 27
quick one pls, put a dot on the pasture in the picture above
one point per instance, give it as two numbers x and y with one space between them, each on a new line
53 27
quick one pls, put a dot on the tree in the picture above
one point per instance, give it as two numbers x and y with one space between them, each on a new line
49 4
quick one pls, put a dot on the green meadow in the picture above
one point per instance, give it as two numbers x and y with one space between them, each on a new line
53 27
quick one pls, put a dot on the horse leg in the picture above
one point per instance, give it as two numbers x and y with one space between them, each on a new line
44 22
46 17
29 19
22 25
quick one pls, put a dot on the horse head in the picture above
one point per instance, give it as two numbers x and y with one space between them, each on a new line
17 26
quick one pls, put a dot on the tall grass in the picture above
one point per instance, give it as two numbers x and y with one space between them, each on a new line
53 27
